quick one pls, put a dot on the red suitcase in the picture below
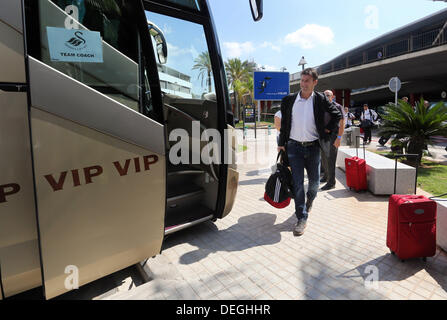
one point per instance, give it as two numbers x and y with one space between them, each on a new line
356 172
411 224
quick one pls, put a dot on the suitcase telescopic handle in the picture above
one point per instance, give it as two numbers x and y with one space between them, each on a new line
398 156
357 149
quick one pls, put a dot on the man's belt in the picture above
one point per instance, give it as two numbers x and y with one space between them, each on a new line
305 144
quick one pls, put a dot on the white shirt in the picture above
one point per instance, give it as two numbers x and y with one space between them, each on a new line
348 116
278 114
368 115
303 127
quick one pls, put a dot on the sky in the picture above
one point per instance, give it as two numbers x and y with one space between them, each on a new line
319 30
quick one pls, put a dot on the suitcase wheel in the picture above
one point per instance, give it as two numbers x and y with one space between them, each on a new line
424 259
392 252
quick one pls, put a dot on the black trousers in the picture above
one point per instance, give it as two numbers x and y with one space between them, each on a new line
367 134
328 159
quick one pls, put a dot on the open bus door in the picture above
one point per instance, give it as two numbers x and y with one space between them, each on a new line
97 139
87 112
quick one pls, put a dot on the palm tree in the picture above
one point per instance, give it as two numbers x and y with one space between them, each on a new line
203 64
418 125
238 72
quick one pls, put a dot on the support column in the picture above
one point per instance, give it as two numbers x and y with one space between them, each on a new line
347 98
338 95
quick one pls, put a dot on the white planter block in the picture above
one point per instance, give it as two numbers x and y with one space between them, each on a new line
380 172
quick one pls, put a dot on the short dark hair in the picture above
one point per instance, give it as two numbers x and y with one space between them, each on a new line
310 72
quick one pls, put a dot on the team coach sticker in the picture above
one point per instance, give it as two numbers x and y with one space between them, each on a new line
74 45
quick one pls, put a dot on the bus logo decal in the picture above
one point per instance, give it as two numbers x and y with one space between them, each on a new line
76 41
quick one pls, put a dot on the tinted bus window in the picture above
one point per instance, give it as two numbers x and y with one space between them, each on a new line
94 42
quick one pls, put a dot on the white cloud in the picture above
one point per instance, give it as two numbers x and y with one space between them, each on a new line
270 45
174 51
310 36
269 68
167 29
193 52
237 49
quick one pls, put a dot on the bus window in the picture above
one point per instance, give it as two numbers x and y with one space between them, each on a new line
96 43
187 72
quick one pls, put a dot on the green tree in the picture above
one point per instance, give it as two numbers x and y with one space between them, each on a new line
203 64
418 125
238 72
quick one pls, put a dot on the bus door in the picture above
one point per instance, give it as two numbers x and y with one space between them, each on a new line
193 85
97 139
19 254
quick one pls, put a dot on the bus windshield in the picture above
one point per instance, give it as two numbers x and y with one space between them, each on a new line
187 72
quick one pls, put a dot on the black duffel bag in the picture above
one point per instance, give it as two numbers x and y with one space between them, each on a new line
278 189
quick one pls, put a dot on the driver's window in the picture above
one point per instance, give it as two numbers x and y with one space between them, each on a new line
96 43
187 73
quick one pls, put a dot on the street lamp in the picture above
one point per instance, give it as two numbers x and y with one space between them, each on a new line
302 62
283 69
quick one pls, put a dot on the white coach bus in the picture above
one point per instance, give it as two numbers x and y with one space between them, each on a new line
86 183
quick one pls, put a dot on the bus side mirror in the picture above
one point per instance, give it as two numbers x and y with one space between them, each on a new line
256 9
160 42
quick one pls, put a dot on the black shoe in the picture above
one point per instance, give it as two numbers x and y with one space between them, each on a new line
322 180
328 187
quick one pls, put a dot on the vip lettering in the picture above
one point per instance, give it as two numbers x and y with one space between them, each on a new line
90 174
8 190
123 168
193 310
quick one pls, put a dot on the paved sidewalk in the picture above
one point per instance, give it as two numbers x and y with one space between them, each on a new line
252 253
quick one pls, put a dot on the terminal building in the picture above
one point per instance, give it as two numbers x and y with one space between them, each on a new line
175 82
416 53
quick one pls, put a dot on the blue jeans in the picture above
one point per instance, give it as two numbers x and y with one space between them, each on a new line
301 158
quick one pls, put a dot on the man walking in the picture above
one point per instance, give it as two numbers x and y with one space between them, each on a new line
367 119
329 147
302 130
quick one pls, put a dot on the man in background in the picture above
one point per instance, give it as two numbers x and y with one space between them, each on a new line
367 118
329 148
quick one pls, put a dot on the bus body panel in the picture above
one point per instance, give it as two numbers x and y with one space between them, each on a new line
100 202
11 14
61 95
99 166
12 63
19 255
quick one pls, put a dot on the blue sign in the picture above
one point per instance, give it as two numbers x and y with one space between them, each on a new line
271 85
73 45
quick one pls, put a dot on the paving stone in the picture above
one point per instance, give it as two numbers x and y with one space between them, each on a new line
253 254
